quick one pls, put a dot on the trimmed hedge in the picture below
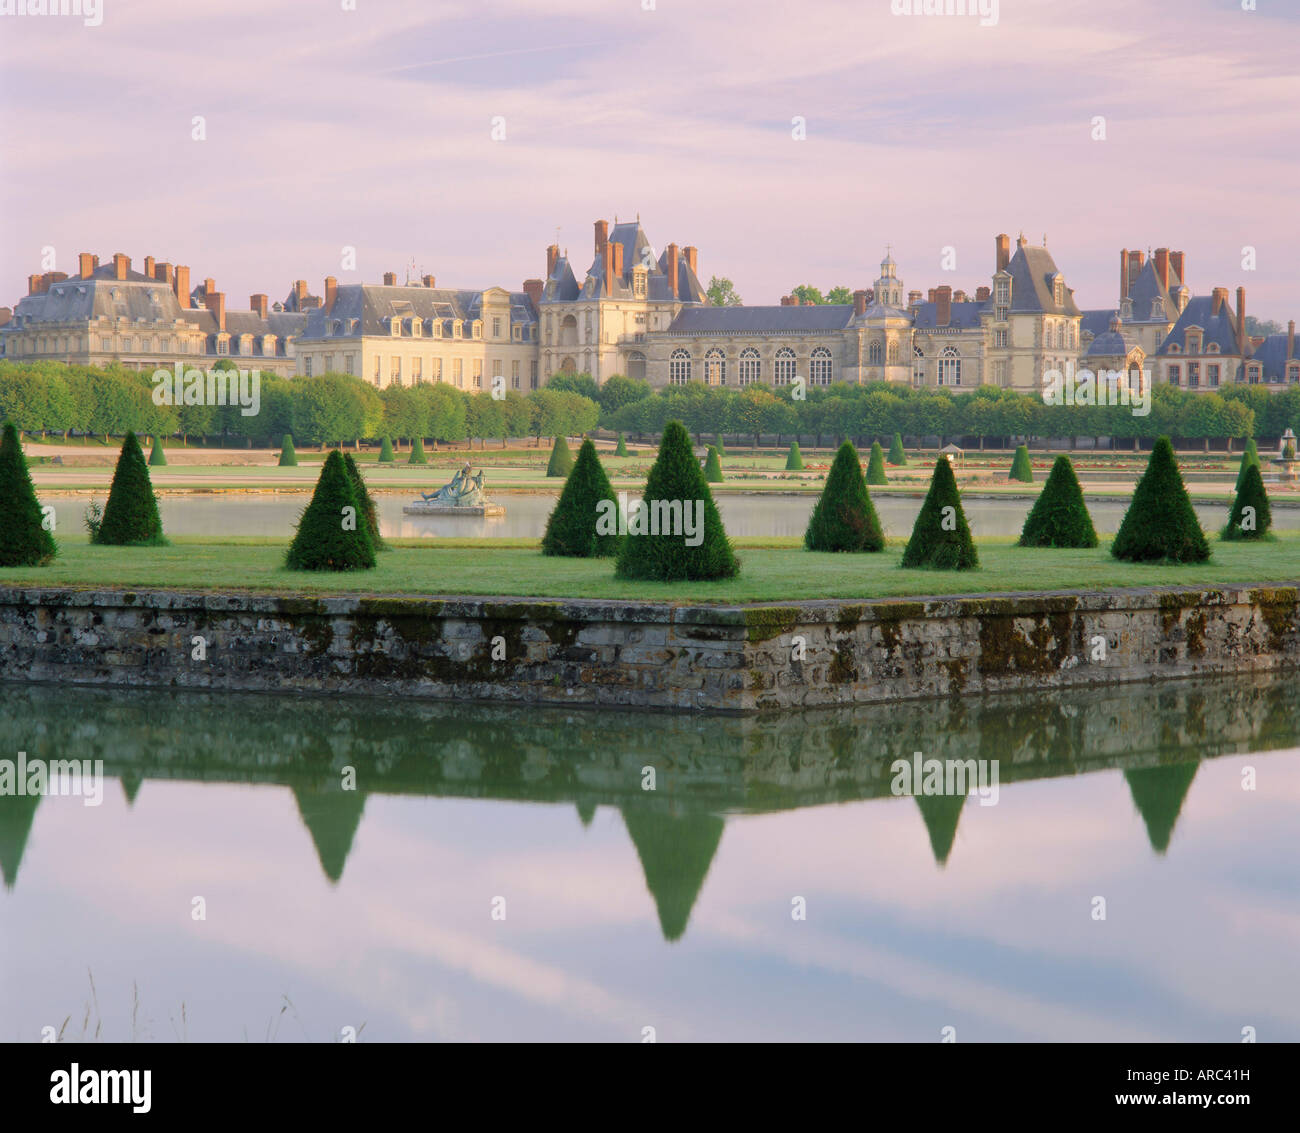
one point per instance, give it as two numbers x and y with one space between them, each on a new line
417 452
713 466
385 451
897 454
621 450
794 460
571 528
676 479
1059 517
288 454
366 501
1252 524
131 514
24 540
1249 456
329 537
561 462
1160 524
876 465
940 537
1021 467
157 457
844 518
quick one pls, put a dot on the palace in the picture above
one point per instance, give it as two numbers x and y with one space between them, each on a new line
647 315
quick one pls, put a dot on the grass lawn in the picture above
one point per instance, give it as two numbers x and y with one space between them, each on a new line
772 570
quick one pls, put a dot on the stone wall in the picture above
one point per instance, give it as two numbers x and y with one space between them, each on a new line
582 652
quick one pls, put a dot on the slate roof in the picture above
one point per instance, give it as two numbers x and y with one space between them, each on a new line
1271 354
961 316
80 300
361 308
1218 328
760 320
561 286
1032 271
1096 323
1111 343
636 250
1147 288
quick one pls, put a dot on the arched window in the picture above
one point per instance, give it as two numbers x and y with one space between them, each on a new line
874 354
679 367
715 368
636 365
891 353
784 366
751 369
820 372
918 366
949 367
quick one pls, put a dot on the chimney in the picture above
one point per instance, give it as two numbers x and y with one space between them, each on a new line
692 258
1242 340
606 253
1218 297
1123 274
959 297
429 281
121 265
390 279
930 296
1135 260
942 305
5 315
788 301
602 236
183 286
209 286
300 294
1002 242
217 305
1176 263
149 262
331 293
163 273
533 289
34 285
257 304
1290 340
672 270
859 303
913 298
618 259
982 294
552 258
85 265
1162 267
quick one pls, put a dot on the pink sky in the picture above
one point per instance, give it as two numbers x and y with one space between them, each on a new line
372 128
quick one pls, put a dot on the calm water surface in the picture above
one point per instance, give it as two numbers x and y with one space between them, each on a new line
624 908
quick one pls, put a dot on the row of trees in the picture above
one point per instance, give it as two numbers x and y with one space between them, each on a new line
329 409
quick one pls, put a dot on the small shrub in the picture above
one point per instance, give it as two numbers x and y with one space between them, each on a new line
1160 524
940 536
561 462
844 518
876 465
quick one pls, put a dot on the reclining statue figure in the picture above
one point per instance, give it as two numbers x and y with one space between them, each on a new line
465 490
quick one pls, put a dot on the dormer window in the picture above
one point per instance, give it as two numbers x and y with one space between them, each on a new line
437 328
1212 348
1174 348
1002 291
395 327
336 327
457 326
1058 293
638 283
478 328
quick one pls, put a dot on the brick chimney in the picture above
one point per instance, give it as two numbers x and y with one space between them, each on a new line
149 262
1241 321
390 279
959 297
1162 267
942 305
121 265
1176 262
618 259
429 281
300 294
1135 260
1290 340
257 304
5 315
606 253
34 284
216 301
1123 274
552 258
1218 297
209 286
1002 244
331 292
162 273
85 265
913 298
533 289
182 287
788 301
981 294
692 258
859 303
930 296
602 236
672 270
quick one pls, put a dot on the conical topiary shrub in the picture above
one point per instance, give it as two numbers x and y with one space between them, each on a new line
157 457
417 452
940 537
1251 516
876 465
332 533
364 498
1021 468
713 466
1160 524
1248 457
386 451
24 541
561 462
288 454
844 518
658 544
587 496
1059 517
897 456
722 449
794 461
131 514
621 450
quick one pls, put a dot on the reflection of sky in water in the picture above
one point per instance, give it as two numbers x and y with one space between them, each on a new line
998 941
526 515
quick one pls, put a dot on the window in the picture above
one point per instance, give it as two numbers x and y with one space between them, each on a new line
1000 373
349 363
106 344
457 373
478 373
127 344
784 371
532 377
1253 372
751 368
378 373
1193 375
514 374
435 369
417 370
1175 375
1292 372
918 366
223 346
328 367
478 328
715 368
1212 376
395 371
1058 292
949 367
496 326
820 371
1213 348
1000 339
395 327
1000 314
1002 292
679 368
456 325
874 354
891 353
306 365
638 283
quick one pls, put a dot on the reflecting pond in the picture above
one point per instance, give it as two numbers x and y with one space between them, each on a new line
504 874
